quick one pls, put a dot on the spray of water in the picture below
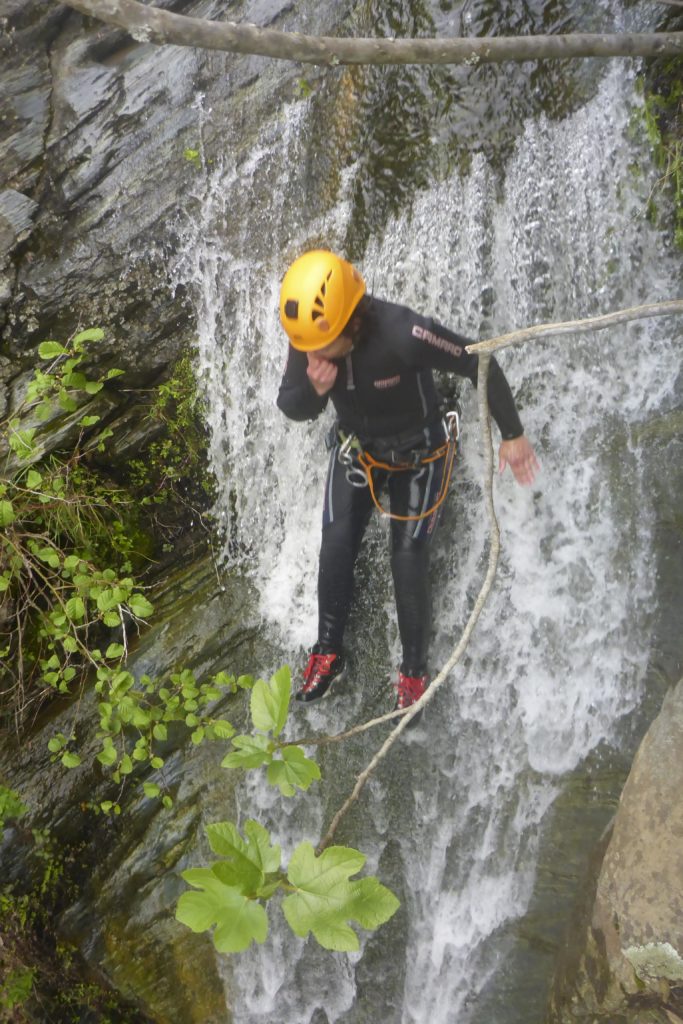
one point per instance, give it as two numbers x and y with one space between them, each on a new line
557 657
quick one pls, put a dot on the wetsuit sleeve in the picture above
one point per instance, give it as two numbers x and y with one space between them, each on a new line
428 343
297 398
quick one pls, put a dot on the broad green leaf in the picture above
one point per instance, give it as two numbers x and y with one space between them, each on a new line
67 403
44 410
251 752
33 479
294 770
111 619
126 766
93 386
70 760
107 756
159 731
326 899
260 850
91 334
75 609
225 840
75 379
115 651
89 421
270 702
7 514
140 606
222 730
238 921
110 598
51 349
49 556
151 789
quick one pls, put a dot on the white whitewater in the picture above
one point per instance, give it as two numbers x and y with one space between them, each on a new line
557 658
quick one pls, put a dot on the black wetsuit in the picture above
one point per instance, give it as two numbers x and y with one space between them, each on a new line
385 394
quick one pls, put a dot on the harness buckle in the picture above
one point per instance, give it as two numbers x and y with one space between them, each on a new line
345 456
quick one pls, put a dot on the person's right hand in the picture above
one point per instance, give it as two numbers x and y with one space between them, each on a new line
321 373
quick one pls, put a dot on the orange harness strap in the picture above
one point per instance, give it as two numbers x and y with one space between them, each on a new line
447 451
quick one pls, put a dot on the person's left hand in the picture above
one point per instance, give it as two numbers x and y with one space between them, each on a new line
520 457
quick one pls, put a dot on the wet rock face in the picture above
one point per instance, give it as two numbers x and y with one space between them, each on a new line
92 125
95 184
630 957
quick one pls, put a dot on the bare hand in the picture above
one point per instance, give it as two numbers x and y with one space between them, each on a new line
521 458
321 373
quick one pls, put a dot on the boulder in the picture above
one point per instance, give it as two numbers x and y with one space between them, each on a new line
626 964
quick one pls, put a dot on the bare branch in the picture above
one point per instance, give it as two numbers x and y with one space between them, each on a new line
152 25
592 323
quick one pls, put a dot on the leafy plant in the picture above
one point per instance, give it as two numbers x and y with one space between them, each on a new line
172 474
11 806
287 765
66 582
16 987
62 529
321 897
663 116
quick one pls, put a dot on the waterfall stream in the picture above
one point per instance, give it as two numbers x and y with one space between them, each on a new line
453 819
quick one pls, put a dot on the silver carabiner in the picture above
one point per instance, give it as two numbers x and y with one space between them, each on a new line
345 456
356 477
453 425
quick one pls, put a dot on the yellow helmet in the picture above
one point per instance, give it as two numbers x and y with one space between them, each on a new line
318 295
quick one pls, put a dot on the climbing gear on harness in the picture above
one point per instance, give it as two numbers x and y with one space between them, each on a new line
409 689
360 465
319 674
318 295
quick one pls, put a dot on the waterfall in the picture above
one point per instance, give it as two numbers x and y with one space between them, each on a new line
453 820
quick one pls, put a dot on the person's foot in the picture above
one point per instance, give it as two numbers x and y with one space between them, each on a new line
409 689
321 670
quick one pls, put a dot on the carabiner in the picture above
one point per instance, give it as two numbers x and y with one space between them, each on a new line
356 477
345 456
453 425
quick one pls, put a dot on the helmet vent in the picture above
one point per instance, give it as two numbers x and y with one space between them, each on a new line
292 309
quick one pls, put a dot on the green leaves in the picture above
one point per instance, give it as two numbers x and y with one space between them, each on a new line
294 771
326 900
323 902
238 921
288 767
231 887
7 514
270 702
51 350
251 752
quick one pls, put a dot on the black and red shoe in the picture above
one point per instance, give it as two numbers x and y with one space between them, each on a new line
409 689
320 672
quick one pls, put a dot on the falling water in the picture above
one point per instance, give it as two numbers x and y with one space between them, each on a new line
453 820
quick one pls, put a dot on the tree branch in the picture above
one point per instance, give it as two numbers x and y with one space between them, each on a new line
592 323
153 25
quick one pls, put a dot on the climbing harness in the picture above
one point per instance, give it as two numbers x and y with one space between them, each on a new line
360 465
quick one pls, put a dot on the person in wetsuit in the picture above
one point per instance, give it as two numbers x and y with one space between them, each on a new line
374 360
